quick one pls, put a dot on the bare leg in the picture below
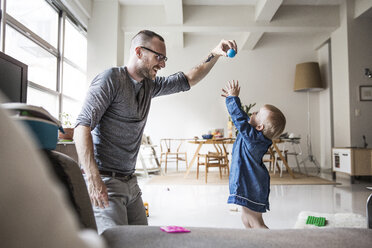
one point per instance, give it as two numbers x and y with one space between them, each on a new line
252 219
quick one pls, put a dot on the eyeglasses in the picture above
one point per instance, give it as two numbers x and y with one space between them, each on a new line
160 57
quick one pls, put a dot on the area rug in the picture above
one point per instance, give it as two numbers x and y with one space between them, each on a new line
332 220
300 179
174 178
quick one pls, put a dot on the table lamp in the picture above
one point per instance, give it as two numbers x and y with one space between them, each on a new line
308 79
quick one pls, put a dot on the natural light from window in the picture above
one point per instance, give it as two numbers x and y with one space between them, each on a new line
38 16
42 65
75 46
47 101
74 82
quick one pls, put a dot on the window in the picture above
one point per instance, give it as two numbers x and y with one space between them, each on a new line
56 70
74 69
38 16
75 45
42 65
41 98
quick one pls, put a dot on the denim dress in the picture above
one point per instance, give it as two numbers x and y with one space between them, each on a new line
249 180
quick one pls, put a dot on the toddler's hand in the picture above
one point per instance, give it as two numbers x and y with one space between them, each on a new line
232 89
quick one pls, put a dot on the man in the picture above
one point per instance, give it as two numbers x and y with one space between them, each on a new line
110 126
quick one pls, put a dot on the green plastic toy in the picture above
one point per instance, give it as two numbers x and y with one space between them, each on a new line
317 221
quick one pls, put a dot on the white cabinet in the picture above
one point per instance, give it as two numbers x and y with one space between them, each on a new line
342 160
352 161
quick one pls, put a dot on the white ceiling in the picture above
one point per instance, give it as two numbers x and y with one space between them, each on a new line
231 2
248 19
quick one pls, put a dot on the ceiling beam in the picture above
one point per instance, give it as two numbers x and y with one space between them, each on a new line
250 40
232 29
240 18
238 22
266 9
264 12
173 11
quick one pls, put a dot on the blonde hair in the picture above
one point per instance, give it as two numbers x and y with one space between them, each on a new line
275 122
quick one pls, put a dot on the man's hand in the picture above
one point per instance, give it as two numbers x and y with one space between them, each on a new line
98 192
222 48
200 71
232 89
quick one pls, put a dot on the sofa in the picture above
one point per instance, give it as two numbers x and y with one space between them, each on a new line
142 236
35 215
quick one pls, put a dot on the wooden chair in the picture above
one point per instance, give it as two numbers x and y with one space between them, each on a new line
272 158
170 150
219 159
284 152
269 157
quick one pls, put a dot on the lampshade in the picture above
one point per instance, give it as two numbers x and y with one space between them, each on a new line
308 77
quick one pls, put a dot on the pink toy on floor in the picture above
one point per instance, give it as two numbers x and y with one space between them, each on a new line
174 229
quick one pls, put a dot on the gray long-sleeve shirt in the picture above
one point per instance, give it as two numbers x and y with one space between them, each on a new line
117 114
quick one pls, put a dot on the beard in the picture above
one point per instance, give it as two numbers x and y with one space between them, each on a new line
144 72
147 72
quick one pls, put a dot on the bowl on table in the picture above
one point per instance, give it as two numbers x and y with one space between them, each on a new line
207 136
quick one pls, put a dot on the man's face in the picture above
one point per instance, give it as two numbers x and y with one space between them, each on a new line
153 58
257 118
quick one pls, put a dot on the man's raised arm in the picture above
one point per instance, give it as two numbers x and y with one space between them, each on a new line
200 71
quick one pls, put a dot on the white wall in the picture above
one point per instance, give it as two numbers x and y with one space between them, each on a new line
103 37
340 81
351 53
360 57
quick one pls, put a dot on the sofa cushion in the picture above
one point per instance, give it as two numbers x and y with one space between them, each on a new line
69 174
152 236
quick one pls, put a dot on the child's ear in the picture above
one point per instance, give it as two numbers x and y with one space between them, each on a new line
260 127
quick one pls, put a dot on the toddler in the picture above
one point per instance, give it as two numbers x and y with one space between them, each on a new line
249 180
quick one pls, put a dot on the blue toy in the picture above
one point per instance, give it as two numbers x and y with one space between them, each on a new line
231 53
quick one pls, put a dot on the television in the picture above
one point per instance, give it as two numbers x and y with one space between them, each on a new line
13 79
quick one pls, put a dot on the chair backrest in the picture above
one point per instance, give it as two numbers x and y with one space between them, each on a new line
217 147
224 150
171 145
165 145
221 151
225 153
220 147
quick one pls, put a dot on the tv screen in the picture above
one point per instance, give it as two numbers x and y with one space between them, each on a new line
13 79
